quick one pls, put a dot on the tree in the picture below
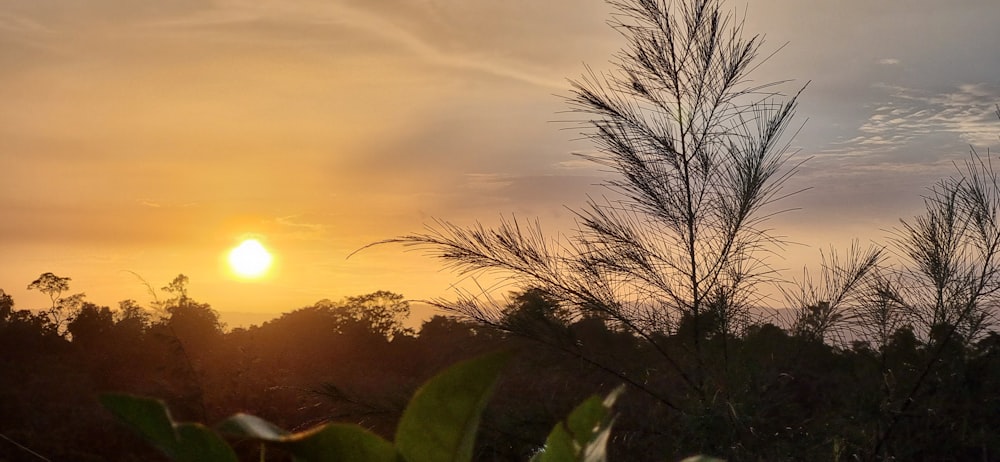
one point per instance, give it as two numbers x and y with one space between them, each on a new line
952 278
6 305
132 316
948 286
91 325
698 158
382 311
177 288
51 285
63 309
846 292
534 310
192 322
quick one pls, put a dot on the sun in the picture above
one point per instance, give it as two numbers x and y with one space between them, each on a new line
250 259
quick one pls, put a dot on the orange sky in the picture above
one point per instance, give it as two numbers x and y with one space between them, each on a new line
150 137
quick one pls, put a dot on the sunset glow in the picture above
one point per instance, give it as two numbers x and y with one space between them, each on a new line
250 259
139 140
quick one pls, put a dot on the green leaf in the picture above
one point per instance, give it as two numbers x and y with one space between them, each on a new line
586 419
583 437
558 446
184 442
331 442
341 442
199 443
148 417
440 422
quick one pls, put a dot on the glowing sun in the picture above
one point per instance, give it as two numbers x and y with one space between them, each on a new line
250 259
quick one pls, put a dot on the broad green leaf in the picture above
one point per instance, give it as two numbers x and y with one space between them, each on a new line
440 422
595 446
558 447
583 437
331 442
586 419
148 417
181 442
341 442
198 443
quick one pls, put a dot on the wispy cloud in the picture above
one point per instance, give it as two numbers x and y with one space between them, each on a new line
341 16
965 113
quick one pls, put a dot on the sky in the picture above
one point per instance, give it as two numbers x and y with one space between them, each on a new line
140 140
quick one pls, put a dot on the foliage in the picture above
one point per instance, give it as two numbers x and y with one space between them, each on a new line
63 309
675 255
584 435
187 442
954 253
6 305
787 396
826 309
679 245
51 285
950 284
441 420
440 424
382 310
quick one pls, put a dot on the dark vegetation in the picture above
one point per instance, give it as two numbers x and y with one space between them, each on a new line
789 395
890 353
439 424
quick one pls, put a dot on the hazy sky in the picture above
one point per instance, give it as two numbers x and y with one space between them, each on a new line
150 137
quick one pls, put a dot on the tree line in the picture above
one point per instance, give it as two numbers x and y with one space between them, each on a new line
781 393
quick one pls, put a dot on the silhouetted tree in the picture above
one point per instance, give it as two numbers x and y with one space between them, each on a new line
51 285
132 316
382 311
6 305
195 324
63 309
948 286
177 288
537 312
953 254
92 324
828 309
698 156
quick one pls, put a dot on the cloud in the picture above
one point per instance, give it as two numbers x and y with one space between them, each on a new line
909 117
966 112
888 61
339 25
